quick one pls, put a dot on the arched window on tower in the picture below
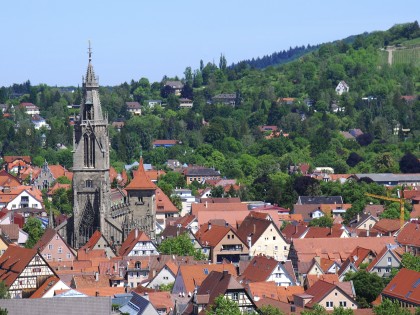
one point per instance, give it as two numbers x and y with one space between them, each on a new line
86 151
92 151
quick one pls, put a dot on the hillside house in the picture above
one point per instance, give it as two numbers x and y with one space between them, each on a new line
342 87
30 108
226 99
134 108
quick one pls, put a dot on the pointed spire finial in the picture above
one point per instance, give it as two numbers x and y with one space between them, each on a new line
141 152
90 52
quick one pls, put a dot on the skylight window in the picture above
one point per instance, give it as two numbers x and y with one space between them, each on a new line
417 283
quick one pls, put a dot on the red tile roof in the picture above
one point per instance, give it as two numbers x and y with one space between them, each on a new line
50 282
261 267
231 217
319 232
90 244
386 226
409 235
163 203
319 290
213 235
165 142
415 214
141 181
254 225
12 158
155 174
405 286
13 261
7 179
161 300
58 171
328 277
132 240
194 275
336 248
228 207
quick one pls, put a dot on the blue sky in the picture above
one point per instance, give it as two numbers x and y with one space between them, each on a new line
46 41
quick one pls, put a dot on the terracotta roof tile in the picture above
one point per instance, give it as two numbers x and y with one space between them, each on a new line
102 291
386 226
58 171
89 281
155 174
13 262
405 286
409 235
132 240
213 235
228 207
12 158
322 232
193 275
163 203
253 225
48 235
328 277
415 214
336 248
141 181
50 282
90 244
11 230
161 300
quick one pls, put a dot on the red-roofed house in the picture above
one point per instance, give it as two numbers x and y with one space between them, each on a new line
30 108
326 294
53 247
409 238
23 271
15 163
262 268
137 243
404 288
164 143
98 241
389 257
49 174
263 236
222 241
164 276
47 290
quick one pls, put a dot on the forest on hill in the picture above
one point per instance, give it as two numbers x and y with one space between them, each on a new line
297 97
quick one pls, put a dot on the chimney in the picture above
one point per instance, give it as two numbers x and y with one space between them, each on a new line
136 233
206 204
249 239
97 293
209 228
358 217
96 276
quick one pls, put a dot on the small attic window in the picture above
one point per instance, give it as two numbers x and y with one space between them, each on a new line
206 271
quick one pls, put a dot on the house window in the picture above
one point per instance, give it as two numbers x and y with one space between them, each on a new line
276 247
56 237
50 246
36 269
329 304
89 183
60 250
235 296
389 261
59 259
343 303
68 255
49 257
228 237
274 238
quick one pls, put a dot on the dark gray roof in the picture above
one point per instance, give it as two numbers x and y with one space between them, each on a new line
389 177
136 305
121 299
59 306
326 200
202 172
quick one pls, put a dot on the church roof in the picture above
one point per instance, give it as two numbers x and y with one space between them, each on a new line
141 181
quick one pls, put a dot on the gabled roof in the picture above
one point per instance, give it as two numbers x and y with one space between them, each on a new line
161 300
132 239
392 249
46 238
409 235
141 181
293 231
328 277
185 221
336 248
13 261
7 179
261 267
163 203
48 284
90 281
386 226
217 283
193 275
10 230
58 171
319 291
201 171
212 234
165 142
90 244
253 225
405 286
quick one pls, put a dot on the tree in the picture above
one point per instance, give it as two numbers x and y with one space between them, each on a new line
180 245
354 159
367 286
33 227
316 310
388 307
410 262
269 310
217 192
409 163
4 292
223 306
324 221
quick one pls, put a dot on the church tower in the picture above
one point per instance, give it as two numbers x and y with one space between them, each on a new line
91 183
